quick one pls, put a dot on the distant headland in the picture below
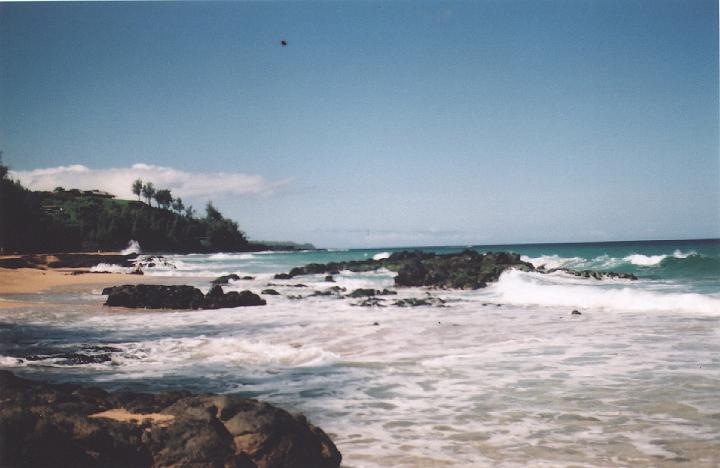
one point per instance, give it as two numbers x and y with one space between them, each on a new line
71 220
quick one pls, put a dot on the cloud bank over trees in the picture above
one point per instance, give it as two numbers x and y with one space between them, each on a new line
118 181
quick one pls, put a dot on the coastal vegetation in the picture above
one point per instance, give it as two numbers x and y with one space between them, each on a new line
73 220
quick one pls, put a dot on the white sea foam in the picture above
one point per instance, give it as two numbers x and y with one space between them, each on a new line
132 247
110 268
231 256
679 254
234 351
553 261
381 256
521 288
600 262
9 361
645 260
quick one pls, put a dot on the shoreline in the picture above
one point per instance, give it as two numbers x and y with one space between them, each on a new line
26 281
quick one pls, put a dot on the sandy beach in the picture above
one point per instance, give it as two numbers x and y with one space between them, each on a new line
32 280
16 281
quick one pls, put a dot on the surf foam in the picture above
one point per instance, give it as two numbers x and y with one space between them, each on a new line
521 288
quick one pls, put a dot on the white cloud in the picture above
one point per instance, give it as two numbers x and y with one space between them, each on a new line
118 181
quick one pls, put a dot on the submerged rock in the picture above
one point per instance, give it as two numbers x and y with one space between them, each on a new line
598 275
270 292
420 301
153 296
366 292
68 425
225 279
371 302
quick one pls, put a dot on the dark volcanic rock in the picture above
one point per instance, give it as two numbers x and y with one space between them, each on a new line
466 270
371 302
225 279
420 301
270 292
370 292
216 299
85 354
598 275
43 425
152 296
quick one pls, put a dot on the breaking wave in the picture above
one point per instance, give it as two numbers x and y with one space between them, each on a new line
132 247
685 263
521 288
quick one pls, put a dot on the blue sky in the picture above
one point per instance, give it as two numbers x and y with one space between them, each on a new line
381 123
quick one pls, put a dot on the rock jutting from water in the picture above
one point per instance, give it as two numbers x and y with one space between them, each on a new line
154 296
225 279
464 270
45 424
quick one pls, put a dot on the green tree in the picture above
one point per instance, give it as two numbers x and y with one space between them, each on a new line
178 205
163 198
212 213
189 212
137 187
148 191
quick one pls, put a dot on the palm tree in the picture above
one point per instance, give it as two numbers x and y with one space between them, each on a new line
178 205
148 191
163 198
137 187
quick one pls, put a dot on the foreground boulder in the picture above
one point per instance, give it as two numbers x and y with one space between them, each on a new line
45 425
155 296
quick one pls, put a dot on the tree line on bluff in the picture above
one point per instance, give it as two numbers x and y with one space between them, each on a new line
71 220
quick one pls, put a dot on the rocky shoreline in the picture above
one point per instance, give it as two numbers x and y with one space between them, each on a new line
44 424
465 270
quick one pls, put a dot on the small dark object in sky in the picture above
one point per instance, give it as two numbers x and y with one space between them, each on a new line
283 42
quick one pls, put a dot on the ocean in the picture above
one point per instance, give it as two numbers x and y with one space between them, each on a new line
500 376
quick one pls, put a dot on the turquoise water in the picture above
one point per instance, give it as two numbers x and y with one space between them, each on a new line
502 376
694 263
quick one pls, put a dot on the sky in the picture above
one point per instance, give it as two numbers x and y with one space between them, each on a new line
380 123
